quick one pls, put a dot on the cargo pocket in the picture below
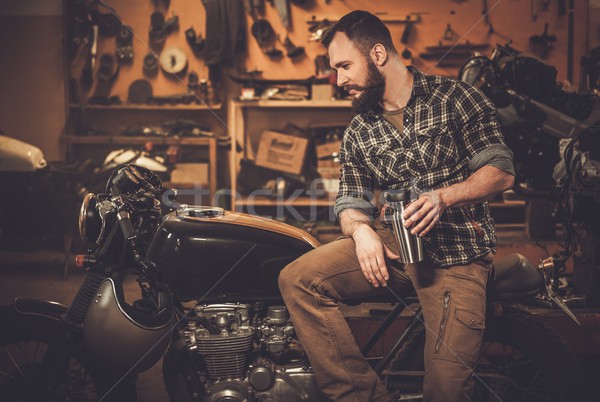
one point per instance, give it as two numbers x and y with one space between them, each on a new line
465 335
459 334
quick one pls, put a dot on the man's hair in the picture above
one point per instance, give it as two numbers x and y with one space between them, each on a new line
364 29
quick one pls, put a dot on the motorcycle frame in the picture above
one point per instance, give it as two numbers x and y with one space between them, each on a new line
414 322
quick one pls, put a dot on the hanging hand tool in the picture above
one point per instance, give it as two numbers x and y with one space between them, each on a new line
562 7
283 8
545 5
406 54
534 10
94 48
485 11
542 43
449 33
570 40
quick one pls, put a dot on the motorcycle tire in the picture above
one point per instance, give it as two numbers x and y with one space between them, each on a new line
29 347
523 359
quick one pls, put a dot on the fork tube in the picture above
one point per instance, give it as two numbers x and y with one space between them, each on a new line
389 319
416 320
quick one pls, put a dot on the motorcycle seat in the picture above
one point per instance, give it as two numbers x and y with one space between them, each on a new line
513 277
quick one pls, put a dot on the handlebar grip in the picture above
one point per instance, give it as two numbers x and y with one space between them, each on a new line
125 223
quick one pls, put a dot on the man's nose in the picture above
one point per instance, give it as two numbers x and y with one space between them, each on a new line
341 80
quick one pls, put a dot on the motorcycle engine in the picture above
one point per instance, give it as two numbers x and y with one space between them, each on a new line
243 357
222 335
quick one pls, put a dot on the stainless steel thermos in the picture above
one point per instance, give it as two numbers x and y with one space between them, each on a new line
410 246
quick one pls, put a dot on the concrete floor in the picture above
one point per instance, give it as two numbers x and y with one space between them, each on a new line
39 274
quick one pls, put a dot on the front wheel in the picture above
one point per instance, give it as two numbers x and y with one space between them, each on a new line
36 363
522 359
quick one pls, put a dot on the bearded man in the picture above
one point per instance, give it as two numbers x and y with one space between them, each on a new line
411 130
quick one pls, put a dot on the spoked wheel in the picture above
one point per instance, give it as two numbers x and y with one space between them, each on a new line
31 366
21 372
522 360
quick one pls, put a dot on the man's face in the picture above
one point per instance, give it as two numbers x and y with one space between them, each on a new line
357 74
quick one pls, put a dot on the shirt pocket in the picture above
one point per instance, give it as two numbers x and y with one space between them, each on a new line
437 146
380 157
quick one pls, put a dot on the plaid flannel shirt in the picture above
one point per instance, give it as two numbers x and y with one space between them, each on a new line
446 123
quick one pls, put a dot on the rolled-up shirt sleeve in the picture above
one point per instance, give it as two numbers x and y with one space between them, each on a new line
479 127
356 182
498 155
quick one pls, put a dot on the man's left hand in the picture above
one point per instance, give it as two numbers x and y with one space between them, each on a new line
423 213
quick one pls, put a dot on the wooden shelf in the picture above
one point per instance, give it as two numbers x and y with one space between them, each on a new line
127 106
294 104
209 142
298 201
137 140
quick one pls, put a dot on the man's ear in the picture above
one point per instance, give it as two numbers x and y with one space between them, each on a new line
379 54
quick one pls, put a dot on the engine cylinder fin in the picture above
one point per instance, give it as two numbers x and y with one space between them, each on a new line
225 356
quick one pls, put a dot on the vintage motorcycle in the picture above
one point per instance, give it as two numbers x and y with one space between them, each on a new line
210 306
534 112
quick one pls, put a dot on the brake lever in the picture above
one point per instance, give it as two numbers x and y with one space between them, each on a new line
548 266
560 303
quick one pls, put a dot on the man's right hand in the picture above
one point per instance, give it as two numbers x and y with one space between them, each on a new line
370 252
369 247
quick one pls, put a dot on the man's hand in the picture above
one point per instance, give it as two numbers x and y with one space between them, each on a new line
370 252
423 213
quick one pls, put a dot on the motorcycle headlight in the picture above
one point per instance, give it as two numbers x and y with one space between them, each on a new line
90 223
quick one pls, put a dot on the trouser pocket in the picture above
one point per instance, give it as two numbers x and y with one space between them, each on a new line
461 328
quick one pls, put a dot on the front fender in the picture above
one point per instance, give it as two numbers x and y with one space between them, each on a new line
40 308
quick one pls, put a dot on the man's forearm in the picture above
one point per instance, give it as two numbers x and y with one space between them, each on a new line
351 220
480 186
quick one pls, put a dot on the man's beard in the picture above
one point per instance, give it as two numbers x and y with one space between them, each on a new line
371 95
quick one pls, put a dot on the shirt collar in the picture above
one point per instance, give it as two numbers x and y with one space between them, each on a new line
420 84
420 88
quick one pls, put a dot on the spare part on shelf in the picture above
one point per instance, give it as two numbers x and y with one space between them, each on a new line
104 100
293 51
193 80
160 28
196 42
174 99
124 50
261 85
108 69
150 64
173 61
140 91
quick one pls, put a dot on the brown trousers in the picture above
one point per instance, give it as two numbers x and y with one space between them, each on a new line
453 305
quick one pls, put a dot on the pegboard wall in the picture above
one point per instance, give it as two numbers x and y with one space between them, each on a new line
445 22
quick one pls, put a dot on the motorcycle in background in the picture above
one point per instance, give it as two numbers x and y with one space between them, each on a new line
534 112
209 304
39 198
555 138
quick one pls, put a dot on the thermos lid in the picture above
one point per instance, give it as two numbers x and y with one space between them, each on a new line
398 195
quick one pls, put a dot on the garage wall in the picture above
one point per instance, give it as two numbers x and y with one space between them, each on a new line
32 90
32 105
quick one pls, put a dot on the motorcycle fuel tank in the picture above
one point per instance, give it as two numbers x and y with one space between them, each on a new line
214 254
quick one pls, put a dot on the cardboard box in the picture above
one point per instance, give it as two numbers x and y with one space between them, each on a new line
190 173
327 149
281 152
322 92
